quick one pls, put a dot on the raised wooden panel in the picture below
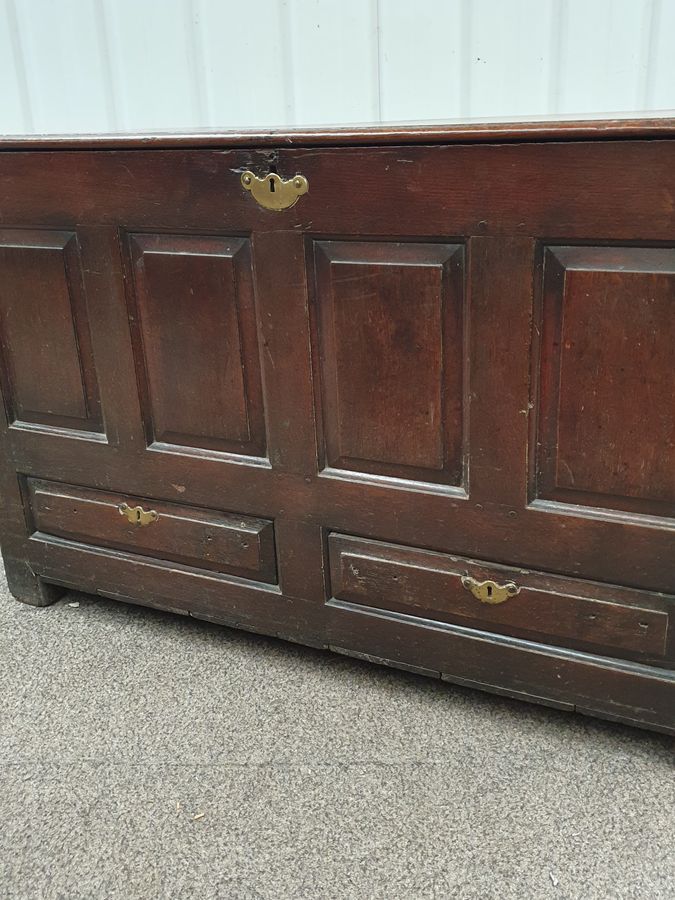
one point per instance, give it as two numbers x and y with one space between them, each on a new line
389 358
607 378
196 341
48 371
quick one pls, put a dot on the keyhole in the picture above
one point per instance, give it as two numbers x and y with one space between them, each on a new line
272 187
489 590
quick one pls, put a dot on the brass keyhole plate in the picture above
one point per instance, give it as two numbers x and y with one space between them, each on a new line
274 192
137 515
489 591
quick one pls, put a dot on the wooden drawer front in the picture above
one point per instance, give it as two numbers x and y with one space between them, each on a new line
546 608
237 545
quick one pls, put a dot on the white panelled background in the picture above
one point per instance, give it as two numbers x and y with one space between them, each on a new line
124 65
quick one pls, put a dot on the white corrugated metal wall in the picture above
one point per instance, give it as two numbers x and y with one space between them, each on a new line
109 65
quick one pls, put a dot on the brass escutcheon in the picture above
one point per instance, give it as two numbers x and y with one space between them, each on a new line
137 515
274 192
490 591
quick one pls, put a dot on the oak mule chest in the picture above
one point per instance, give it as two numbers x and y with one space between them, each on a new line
407 393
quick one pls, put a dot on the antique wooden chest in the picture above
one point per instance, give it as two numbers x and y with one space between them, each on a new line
403 392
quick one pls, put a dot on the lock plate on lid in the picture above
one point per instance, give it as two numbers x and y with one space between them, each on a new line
273 191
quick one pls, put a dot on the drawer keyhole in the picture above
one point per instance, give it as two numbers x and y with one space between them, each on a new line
136 515
490 591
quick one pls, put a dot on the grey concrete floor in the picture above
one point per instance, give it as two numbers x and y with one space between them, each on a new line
146 755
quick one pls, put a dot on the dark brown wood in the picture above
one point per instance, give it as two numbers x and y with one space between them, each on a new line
48 367
195 337
609 619
422 132
451 358
594 685
608 321
237 545
389 358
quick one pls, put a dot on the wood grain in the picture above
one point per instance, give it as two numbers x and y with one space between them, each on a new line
194 304
225 542
46 346
606 368
390 357
518 128
446 359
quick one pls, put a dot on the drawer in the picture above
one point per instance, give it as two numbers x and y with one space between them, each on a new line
223 542
537 606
